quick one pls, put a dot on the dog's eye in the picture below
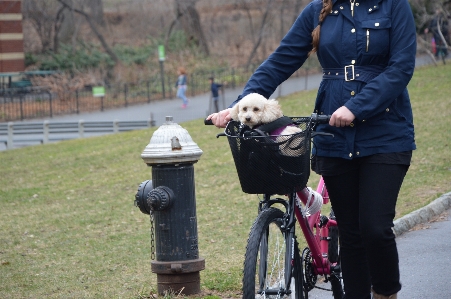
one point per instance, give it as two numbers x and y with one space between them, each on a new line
256 109
244 109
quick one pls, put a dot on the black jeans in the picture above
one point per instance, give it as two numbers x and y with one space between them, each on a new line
364 199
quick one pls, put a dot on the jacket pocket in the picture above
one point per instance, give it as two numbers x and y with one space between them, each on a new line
377 36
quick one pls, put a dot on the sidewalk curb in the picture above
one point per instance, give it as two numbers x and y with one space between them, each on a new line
422 215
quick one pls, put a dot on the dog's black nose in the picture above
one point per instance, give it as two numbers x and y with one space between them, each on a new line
248 118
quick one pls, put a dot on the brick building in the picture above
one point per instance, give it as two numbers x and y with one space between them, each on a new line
11 38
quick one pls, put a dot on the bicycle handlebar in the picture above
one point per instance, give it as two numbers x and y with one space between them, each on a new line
316 118
208 122
320 119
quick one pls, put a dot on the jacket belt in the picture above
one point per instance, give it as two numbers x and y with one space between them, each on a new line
353 73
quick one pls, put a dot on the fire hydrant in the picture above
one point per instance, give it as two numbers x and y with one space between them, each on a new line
169 199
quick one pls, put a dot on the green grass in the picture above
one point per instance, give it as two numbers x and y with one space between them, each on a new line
69 228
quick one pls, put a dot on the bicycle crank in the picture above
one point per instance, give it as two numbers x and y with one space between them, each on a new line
310 278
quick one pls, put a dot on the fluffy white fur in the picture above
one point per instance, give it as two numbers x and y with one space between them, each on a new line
254 110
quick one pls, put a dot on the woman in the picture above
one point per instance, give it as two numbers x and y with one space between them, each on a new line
367 51
181 86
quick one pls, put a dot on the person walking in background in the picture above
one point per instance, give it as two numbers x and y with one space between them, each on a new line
181 85
440 32
215 92
367 51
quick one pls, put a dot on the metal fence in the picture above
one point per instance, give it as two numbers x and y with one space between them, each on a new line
27 133
34 102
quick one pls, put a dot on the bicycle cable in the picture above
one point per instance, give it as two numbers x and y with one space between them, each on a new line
313 204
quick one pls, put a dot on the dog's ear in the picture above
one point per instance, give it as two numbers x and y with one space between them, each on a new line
234 111
272 111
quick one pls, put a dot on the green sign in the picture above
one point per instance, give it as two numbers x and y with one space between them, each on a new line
161 52
98 91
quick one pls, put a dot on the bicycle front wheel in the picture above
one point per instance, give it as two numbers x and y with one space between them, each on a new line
268 272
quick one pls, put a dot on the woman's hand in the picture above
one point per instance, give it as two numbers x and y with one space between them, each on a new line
342 117
221 118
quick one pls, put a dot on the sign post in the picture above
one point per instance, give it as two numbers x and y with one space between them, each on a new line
99 92
161 58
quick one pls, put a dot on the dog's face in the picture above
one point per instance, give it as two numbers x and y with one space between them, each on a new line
254 109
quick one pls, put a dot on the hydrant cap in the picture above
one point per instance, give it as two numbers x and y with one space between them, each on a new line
171 144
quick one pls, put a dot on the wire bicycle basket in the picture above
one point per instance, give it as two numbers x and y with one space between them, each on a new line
270 164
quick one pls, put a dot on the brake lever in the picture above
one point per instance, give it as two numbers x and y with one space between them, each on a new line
321 133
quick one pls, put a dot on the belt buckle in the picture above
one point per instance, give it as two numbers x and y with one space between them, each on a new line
346 73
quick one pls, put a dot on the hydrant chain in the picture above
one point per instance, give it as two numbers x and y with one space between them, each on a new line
152 238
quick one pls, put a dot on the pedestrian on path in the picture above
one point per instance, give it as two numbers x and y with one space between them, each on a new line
438 26
367 52
215 92
181 85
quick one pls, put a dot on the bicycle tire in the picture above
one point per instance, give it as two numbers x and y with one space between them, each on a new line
333 255
332 252
267 262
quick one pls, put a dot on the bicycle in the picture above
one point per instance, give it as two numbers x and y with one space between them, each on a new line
273 265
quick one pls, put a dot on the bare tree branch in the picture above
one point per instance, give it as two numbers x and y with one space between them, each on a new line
261 32
57 25
171 27
93 26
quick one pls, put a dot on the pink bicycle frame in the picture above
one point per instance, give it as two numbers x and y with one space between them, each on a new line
316 236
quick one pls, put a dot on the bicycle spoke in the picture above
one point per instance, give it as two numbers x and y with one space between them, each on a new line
265 264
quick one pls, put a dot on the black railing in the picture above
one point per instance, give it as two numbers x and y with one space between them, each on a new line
32 102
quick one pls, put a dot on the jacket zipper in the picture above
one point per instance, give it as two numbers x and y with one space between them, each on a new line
367 39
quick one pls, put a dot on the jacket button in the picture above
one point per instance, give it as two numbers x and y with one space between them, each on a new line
350 155
388 109
353 61
364 120
351 125
352 92
358 153
341 7
352 30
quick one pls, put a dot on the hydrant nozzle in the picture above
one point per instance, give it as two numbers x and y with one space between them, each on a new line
160 198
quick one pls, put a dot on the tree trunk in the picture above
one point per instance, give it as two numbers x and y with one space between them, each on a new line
42 15
96 7
186 12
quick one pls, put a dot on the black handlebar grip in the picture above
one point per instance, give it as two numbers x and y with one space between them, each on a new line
320 118
208 122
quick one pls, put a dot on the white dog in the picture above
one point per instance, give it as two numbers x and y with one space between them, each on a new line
254 110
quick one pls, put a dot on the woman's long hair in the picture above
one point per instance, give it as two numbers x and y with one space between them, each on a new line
327 8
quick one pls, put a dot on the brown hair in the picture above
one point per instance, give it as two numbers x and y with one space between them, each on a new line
327 7
182 70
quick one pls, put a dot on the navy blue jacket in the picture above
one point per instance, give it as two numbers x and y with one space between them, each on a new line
379 42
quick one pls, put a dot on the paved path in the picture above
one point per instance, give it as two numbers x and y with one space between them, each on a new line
424 258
